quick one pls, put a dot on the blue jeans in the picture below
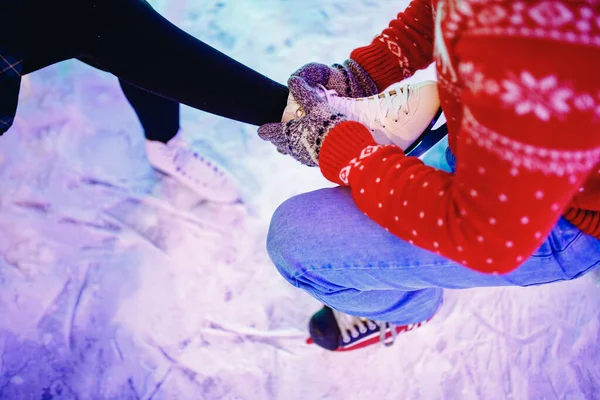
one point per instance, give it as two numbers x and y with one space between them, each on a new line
322 243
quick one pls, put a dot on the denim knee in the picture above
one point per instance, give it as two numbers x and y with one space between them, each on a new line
281 246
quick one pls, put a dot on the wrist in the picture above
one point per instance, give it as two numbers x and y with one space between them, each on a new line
367 86
342 144
378 63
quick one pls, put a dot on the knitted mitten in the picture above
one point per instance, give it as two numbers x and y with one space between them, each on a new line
348 79
302 137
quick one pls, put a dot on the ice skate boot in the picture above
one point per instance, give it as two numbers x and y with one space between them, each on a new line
198 173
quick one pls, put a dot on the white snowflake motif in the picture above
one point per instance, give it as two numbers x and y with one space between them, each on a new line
551 14
543 97
476 82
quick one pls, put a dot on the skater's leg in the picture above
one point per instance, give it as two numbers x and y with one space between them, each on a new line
321 242
54 31
151 53
155 55
158 116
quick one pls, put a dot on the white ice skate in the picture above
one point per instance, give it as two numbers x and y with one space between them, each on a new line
398 116
196 172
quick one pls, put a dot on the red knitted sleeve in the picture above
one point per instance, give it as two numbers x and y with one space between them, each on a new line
527 142
401 49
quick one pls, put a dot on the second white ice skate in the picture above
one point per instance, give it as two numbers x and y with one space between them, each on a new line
196 172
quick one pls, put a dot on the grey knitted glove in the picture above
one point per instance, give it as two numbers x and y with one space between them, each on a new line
348 79
302 137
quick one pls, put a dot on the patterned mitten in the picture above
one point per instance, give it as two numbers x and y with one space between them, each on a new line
348 79
302 137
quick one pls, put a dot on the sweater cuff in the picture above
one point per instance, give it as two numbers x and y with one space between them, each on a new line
342 144
381 65
587 221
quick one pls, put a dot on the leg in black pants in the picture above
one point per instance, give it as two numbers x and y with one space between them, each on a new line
132 41
152 56
158 115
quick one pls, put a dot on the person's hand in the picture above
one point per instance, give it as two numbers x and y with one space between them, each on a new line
348 79
302 138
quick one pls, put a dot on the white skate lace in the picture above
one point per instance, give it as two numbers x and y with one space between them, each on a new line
195 165
352 327
372 110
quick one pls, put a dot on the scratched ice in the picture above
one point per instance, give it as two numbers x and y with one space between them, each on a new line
116 283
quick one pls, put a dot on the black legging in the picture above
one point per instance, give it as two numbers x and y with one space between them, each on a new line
158 115
135 43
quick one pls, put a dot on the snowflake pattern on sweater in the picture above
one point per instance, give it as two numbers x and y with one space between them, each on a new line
519 86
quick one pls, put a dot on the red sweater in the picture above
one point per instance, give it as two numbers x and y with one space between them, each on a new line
519 83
